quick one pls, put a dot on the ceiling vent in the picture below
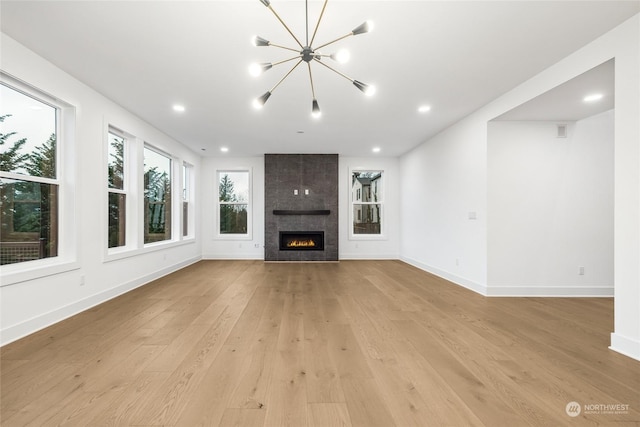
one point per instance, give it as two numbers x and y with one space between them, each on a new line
561 131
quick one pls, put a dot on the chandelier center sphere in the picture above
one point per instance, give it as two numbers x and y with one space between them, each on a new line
307 54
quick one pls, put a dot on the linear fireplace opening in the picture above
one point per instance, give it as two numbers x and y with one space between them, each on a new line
302 240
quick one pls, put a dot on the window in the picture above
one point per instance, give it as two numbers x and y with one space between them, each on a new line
233 203
157 196
186 199
150 196
367 203
116 189
29 176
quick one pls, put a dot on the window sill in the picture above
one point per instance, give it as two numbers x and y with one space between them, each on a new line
33 270
367 237
116 254
232 237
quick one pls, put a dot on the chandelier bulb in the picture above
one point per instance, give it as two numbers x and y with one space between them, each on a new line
342 56
259 41
259 102
315 109
308 54
256 69
365 27
365 88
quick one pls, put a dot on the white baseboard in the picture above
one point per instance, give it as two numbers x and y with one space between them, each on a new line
21 330
460 281
550 291
624 345
516 291
230 256
364 256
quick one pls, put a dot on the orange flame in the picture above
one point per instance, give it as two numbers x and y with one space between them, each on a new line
301 243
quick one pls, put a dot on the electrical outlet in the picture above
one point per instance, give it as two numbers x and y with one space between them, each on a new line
82 280
257 245
581 271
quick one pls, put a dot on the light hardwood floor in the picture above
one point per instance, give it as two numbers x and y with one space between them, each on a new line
362 343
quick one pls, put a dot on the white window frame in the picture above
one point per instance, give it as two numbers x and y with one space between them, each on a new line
175 213
352 202
249 234
187 196
131 184
134 183
126 188
68 236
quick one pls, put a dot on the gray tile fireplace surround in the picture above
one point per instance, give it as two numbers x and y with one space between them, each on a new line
286 174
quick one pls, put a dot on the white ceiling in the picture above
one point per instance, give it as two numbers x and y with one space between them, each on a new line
566 101
455 56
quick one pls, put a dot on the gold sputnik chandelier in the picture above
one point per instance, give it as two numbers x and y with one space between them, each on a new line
306 52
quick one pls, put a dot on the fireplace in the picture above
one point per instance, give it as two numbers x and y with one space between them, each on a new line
302 240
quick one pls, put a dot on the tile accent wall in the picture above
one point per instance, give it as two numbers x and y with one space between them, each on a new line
284 175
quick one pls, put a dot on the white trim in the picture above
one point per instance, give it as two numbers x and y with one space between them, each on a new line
31 178
68 236
230 256
460 281
126 189
231 237
171 206
551 291
625 345
350 203
36 269
188 170
367 256
15 332
517 291
124 252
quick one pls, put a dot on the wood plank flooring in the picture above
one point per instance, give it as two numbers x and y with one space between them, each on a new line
356 343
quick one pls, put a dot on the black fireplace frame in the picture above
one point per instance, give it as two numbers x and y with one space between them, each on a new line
316 235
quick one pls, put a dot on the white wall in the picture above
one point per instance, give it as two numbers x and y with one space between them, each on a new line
388 245
385 248
29 305
233 247
550 208
448 191
443 189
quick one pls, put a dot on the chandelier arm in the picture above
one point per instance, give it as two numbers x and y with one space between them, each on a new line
313 91
333 41
273 64
284 47
285 25
285 76
318 24
335 71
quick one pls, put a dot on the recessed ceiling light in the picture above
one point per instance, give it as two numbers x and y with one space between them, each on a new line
424 108
593 97
224 149
178 108
376 149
